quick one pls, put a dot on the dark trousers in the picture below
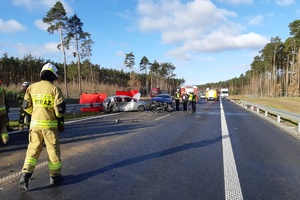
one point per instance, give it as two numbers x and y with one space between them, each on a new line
194 106
184 104
177 104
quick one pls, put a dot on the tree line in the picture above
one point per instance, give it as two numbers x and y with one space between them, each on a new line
79 42
275 72
14 71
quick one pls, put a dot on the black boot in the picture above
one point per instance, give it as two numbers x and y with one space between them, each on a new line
56 180
23 184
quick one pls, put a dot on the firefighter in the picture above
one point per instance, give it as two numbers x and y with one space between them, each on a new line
3 115
177 97
46 104
24 118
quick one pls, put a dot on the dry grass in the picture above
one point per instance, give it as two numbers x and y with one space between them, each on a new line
73 89
291 104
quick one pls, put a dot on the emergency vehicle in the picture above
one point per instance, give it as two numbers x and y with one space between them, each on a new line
188 89
212 94
156 91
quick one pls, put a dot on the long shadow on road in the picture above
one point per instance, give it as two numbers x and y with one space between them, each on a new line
73 179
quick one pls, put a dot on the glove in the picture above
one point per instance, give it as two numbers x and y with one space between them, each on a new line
61 124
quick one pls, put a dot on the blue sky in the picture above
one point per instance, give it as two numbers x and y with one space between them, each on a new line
206 40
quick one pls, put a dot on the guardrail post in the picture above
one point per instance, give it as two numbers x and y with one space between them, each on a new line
266 113
74 113
298 127
257 109
278 118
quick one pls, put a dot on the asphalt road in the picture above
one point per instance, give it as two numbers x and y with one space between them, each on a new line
222 151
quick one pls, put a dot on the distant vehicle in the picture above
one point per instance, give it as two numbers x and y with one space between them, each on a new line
156 91
202 95
123 103
212 94
224 93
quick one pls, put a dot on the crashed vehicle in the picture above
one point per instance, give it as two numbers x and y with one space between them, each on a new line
123 103
162 102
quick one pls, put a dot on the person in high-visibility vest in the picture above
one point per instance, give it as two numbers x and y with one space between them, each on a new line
3 115
177 97
192 101
24 118
45 103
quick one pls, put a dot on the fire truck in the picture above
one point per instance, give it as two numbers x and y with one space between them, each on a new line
187 89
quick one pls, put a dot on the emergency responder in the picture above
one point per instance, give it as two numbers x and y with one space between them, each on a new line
3 115
185 97
24 118
46 104
192 101
177 97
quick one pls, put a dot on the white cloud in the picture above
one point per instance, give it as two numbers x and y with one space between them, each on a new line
186 27
285 2
120 54
236 2
256 20
32 5
177 21
51 47
41 25
46 50
11 26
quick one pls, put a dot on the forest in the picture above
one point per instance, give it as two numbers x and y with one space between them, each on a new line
275 72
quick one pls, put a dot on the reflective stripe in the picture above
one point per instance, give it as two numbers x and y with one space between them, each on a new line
28 110
54 166
30 161
4 135
43 123
177 95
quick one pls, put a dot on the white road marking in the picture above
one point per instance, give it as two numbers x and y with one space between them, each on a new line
162 117
231 178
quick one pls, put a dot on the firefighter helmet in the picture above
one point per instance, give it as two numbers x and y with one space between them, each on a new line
50 67
25 84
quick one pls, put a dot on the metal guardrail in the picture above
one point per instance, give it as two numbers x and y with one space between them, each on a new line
268 110
71 108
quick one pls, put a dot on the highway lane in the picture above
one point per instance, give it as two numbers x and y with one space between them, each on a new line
267 158
176 155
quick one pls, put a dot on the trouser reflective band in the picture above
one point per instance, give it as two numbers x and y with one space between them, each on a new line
4 136
30 161
54 166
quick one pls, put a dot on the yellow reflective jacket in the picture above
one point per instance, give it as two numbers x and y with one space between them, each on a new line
2 101
45 103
